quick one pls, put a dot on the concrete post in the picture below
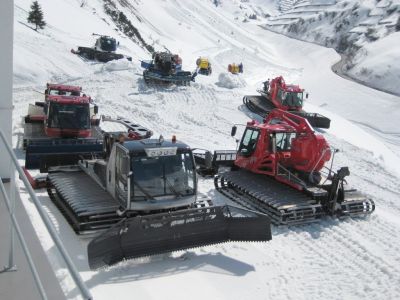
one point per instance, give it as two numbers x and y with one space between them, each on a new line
6 77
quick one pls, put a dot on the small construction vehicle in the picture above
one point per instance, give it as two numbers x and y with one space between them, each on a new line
65 127
103 50
235 68
166 68
144 193
280 170
277 94
203 66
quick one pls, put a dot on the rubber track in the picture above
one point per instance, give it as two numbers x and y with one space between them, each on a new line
284 205
261 106
258 105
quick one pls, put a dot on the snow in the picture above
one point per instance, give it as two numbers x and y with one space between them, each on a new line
334 259
376 65
117 65
230 81
351 26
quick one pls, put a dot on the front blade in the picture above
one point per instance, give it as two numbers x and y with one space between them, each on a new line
154 234
45 155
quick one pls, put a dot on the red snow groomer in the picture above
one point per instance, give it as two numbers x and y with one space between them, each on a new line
65 128
279 169
289 97
62 128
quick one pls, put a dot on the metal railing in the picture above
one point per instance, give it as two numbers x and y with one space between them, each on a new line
10 206
15 226
282 171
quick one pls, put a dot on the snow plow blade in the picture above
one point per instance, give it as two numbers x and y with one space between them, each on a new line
66 152
316 120
166 232
42 151
181 77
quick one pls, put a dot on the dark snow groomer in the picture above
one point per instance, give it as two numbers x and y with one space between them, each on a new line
166 68
103 50
145 194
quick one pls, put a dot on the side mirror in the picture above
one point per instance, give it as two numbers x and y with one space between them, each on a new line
125 168
306 95
233 131
208 160
96 109
244 152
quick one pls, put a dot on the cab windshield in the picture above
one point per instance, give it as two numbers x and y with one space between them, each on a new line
162 176
67 116
108 44
249 141
284 141
291 98
64 93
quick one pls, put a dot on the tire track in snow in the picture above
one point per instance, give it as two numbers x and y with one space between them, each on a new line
232 34
369 174
342 257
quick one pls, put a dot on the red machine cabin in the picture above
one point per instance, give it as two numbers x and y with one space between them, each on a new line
67 116
285 96
66 112
283 140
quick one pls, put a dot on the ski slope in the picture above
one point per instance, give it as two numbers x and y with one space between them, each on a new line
334 259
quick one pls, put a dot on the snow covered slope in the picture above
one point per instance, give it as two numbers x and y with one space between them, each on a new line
375 63
353 27
349 259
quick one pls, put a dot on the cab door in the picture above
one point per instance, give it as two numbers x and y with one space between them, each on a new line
247 148
249 142
122 170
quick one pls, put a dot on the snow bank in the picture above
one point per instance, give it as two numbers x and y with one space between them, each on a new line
117 65
230 81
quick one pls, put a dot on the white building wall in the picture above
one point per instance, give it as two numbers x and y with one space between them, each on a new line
6 76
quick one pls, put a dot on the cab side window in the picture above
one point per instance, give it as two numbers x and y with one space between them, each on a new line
249 141
284 141
282 96
121 179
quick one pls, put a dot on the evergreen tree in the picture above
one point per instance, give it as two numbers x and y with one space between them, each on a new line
36 16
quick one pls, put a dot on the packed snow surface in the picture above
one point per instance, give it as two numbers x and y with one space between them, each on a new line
333 259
